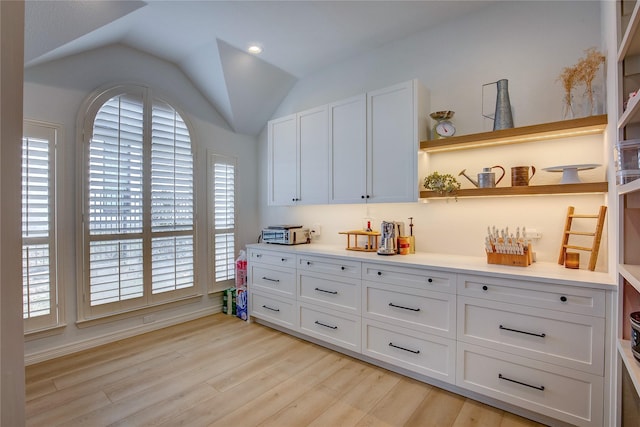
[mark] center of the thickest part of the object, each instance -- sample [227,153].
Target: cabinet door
[283,161]
[348,150]
[392,146]
[313,137]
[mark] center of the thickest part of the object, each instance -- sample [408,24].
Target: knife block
[511,259]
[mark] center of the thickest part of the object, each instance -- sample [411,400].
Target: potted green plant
[443,184]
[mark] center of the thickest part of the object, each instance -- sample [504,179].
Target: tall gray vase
[503,118]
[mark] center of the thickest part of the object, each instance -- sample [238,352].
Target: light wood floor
[220,371]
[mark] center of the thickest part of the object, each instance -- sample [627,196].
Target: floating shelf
[588,187]
[630,44]
[562,129]
[631,273]
[632,365]
[629,187]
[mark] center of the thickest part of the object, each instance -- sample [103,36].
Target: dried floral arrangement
[443,184]
[584,72]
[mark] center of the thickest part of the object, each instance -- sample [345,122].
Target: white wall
[526,42]
[54,92]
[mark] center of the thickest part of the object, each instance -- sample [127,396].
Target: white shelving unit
[628,195]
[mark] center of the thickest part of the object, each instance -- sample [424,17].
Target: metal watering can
[486,178]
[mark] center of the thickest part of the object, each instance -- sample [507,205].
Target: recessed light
[254,49]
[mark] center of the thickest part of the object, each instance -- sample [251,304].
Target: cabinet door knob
[485,287]
[430,280]
[308,262]
[379,273]
[563,298]
[368,196]
[342,268]
[283,259]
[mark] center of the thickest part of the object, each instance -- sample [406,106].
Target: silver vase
[503,118]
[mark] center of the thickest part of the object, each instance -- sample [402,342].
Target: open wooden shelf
[587,187]
[630,43]
[630,362]
[562,129]
[631,273]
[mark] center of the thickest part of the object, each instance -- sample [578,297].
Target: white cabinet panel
[410,276]
[426,354]
[565,339]
[272,279]
[348,149]
[282,165]
[339,293]
[272,257]
[571,396]
[275,309]
[425,311]
[313,134]
[338,267]
[332,326]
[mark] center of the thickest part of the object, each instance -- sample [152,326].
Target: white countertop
[539,271]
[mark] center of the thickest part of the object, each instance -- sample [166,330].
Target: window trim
[84,127]
[56,320]
[212,156]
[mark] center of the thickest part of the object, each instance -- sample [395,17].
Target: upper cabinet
[361,149]
[298,150]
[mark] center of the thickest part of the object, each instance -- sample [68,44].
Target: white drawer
[554,297]
[409,276]
[424,311]
[276,310]
[272,279]
[271,257]
[340,293]
[571,396]
[332,326]
[422,353]
[338,267]
[565,339]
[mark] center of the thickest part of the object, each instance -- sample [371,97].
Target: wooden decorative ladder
[597,235]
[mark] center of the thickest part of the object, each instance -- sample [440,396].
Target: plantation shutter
[223,173]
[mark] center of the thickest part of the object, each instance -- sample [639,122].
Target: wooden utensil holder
[511,259]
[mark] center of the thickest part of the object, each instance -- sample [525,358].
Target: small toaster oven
[286,235]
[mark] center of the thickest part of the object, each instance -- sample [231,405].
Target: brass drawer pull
[325,325]
[541,387]
[405,349]
[404,308]
[542,335]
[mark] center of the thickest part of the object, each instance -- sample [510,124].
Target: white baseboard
[52,353]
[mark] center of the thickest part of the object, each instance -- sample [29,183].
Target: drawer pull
[563,298]
[283,259]
[430,280]
[325,325]
[258,255]
[405,349]
[308,262]
[542,335]
[485,288]
[327,292]
[270,280]
[343,268]
[404,308]
[269,308]
[379,273]
[541,387]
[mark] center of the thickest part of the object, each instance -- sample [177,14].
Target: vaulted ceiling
[208,40]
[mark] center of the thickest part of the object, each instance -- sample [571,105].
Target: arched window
[138,204]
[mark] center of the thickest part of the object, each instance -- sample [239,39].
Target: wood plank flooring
[220,371]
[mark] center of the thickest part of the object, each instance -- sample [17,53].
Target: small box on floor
[229,301]
[241,303]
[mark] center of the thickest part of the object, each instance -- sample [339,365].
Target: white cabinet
[536,345]
[393,135]
[298,151]
[348,150]
[364,148]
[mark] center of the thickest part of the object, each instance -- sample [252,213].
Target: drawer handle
[485,288]
[343,268]
[405,349]
[270,279]
[502,377]
[258,255]
[283,259]
[379,273]
[308,262]
[325,325]
[404,308]
[430,280]
[327,292]
[563,298]
[542,335]
[269,308]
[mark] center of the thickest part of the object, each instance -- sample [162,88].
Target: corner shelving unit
[628,195]
[554,130]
